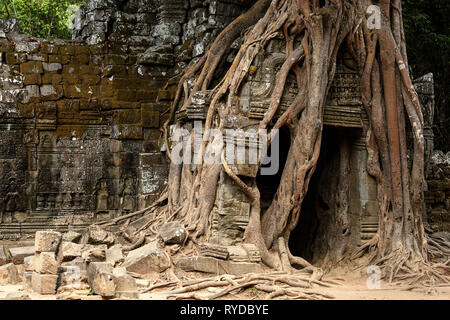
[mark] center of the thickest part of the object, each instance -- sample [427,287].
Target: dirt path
[352,289]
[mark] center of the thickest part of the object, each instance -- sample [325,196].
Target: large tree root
[314,32]
[298,285]
[403,268]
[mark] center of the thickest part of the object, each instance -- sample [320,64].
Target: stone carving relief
[128,199]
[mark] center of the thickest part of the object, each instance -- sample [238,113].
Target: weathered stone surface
[73,278]
[70,251]
[173,233]
[47,241]
[99,236]
[68,296]
[9,274]
[71,236]
[103,284]
[17,296]
[45,263]
[28,263]
[94,253]
[157,55]
[114,254]
[147,259]
[98,267]
[89,253]
[27,280]
[125,286]
[119,271]
[78,263]
[20,253]
[63,102]
[44,283]
[4,256]
[212,265]
[73,274]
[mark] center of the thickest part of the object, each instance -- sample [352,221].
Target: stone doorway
[268,184]
[317,219]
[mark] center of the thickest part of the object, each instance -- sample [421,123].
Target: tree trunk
[314,32]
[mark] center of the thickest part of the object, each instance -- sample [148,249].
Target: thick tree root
[406,268]
[280,285]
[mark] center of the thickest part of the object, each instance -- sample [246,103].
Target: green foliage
[427,28]
[254,292]
[42,18]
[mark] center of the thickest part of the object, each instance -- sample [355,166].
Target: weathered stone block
[147,259]
[51,92]
[31,67]
[32,78]
[9,274]
[125,287]
[18,254]
[67,49]
[15,58]
[27,277]
[73,274]
[45,263]
[151,119]
[126,132]
[95,268]
[129,116]
[173,233]
[70,251]
[4,255]
[94,253]
[80,59]
[53,58]
[28,263]
[52,67]
[51,78]
[217,266]
[47,241]
[99,236]
[72,279]
[44,283]
[51,48]
[46,110]
[78,263]
[17,296]
[103,285]
[114,254]
[71,236]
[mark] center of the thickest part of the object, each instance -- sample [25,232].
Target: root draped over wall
[314,32]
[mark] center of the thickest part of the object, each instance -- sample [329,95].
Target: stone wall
[178,29]
[79,133]
[437,194]
[80,119]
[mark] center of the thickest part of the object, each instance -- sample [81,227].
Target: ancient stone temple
[79,125]
[80,137]
[345,126]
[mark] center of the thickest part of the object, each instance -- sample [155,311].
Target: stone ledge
[217,266]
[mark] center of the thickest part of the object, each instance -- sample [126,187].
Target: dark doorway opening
[319,200]
[268,184]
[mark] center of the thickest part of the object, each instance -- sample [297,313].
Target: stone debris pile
[94,264]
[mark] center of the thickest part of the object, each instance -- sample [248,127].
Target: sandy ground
[351,289]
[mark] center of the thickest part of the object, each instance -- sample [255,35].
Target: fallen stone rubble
[94,264]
